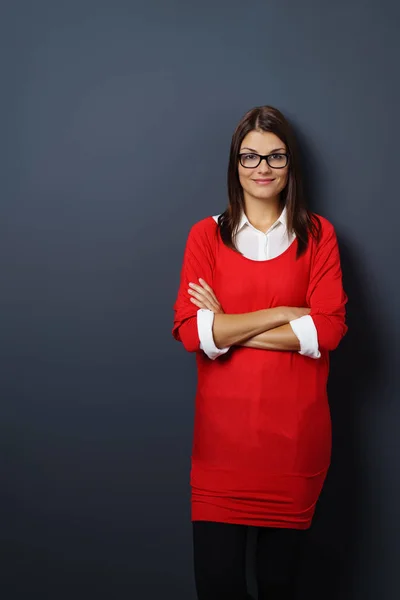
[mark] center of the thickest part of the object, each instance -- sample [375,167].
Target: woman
[261,303]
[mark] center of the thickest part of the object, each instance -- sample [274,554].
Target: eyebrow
[270,152]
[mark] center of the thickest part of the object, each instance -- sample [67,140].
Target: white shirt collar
[244,220]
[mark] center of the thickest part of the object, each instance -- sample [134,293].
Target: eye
[250,156]
[278,156]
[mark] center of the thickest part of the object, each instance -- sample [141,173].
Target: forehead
[262,141]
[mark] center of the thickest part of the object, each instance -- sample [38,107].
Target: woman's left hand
[203,296]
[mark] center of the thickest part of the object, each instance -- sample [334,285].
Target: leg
[278,554]
[219,560]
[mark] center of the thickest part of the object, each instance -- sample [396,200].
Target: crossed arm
[266,329]
[278,338]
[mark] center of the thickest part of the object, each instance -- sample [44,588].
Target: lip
[263,181]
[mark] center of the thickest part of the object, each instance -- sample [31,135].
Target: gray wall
[116,120]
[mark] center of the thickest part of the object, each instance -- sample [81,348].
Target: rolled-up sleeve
[205,321]
[306,332]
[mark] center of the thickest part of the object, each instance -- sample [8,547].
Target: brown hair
[299,219]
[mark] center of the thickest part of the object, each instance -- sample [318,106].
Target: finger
[213,299]
[198,303]
[201,304]
[209,289]
[208,303]
[197,289]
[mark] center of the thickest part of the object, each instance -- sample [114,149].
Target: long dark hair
[299,219]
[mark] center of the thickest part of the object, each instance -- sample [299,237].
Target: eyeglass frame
[262,157]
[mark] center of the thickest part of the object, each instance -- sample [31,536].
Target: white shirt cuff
[205,321]
[306,332]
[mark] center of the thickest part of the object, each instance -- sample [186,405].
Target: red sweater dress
[262,430]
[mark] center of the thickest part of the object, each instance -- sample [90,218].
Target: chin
[264,194]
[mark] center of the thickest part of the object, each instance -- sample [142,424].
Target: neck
[262,213]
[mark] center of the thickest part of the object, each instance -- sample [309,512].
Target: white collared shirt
[257,245]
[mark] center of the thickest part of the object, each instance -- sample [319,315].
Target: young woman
[261,303]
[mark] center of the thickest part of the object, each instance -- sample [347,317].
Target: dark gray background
[116,124]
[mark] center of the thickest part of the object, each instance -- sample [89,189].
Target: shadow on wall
[330,563]
[336,534]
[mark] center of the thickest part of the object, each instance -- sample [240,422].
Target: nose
[264,166]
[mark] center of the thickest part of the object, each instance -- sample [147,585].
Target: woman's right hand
[293,312]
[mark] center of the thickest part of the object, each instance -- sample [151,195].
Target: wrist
[282,315]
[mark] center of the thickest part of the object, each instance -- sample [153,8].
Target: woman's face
[262,182]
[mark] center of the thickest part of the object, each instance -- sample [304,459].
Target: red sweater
[262,435]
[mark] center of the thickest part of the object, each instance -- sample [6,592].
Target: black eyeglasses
[275,161]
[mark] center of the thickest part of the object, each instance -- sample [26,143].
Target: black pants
[220,561]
